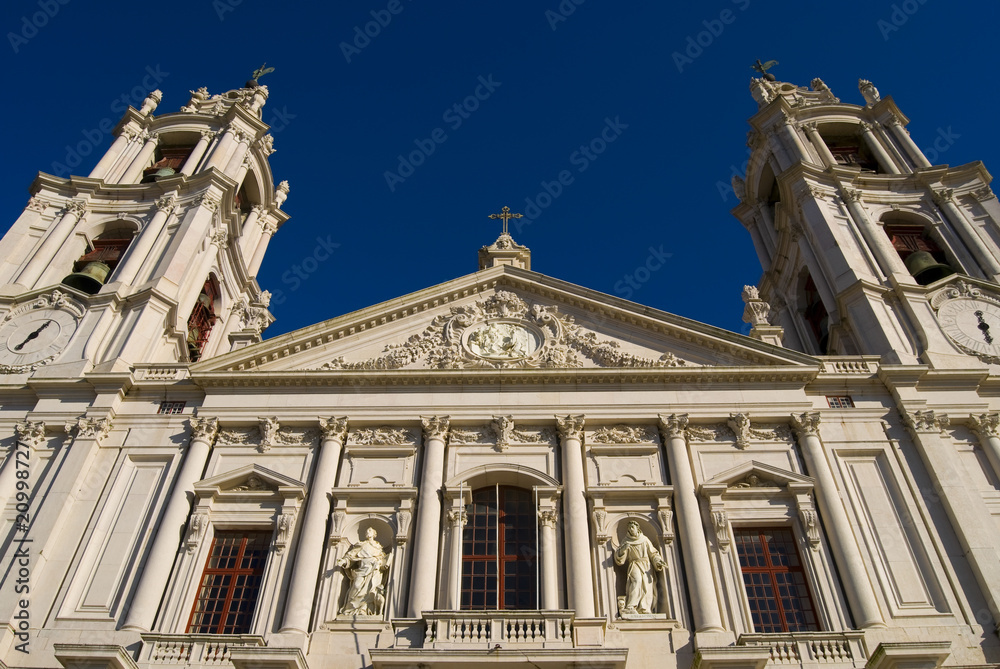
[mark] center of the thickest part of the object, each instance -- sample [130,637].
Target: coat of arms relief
[504,332]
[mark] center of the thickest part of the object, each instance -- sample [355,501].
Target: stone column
[793,135]
[886,256]
[844,544]
[42,258]
[166,542]
[305,572]
[424,570]
[875,145]
[972,521]
[30,433]
[945,199]
[143,242]
[113,154]
[141,161]
[197,153]
[457,519]
[236,163]
[550,571]
[694,546]
[576,519]
[987,428]
[223,147]
[817,141]
[269,227]
[904,139]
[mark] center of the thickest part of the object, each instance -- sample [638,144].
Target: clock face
[33,337]
[974,325]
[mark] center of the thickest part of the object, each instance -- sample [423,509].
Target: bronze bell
[90,278]
[925,269]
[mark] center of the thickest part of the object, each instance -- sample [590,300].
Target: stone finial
[869,92]
[281,194]
[757,310]
[150,103]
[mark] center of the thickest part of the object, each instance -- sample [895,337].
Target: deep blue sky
[341,125]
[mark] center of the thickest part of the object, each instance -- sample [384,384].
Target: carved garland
[562,342]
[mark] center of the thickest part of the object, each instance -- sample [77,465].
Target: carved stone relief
[502,332]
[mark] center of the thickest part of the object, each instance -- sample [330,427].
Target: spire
[504,251]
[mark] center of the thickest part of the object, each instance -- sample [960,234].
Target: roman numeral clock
[972,322]
[33,334]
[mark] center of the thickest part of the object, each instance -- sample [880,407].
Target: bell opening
[90,278]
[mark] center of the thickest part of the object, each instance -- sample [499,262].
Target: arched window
[202,320]
[92,269]
[499,538]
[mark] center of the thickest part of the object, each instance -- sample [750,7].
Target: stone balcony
[543,639]
[807,649]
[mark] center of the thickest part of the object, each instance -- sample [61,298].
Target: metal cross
[505,215]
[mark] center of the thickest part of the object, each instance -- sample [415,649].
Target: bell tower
[861,239]
[152,257]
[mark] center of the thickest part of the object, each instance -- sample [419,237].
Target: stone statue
[365,564]
[641,558]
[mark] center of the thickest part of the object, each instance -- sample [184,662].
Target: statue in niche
[365,564]
[640,558]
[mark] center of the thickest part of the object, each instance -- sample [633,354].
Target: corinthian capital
[805,424]
[204,429]
[435,427]
[570,427]
[985,425]
[89,428]
[31,433]
[674,425]
[926,421]
[333,428]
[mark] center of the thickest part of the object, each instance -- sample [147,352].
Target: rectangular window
[775,581]
[227,595]
[499,539]
[171,407]
[840,401]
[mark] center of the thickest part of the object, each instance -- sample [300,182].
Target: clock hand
[984,327]
[33,335]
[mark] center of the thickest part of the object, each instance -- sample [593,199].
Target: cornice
[793,375]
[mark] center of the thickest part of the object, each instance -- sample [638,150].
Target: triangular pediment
[505,318]
[753,475]
[246,480]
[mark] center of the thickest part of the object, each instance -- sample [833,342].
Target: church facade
[505,468]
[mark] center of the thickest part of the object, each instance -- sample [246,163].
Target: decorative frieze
[267,434]
[375,436]
[624,434]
